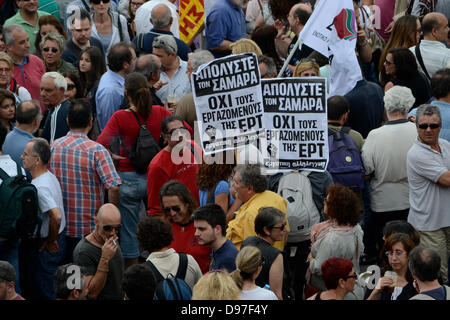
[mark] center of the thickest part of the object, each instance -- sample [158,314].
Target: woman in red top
[178,204]
[124,125]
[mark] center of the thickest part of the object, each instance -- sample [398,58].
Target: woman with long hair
[405,34]
[7,109]
[249,263]
[125,125]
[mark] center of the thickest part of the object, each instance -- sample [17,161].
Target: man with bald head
[28,118]
[433,48]
[162,21]
[100,255]
[150,66]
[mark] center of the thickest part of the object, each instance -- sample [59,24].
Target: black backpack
[19,206]
[144,149]
[172,288]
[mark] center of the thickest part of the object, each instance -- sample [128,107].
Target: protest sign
[228,102]
[295,116]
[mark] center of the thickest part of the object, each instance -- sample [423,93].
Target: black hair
[117,55]
[405,63]
[154,233]
[168,120]
[213,214]
[337,107]
[440,83]
[79,114]
[139,283]
[62,278]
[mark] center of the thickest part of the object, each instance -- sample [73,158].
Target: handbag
[376,41]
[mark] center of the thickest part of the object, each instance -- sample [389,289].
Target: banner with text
[228,102]
[192,18]
[295,117]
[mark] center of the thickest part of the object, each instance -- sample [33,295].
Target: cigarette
[115,243]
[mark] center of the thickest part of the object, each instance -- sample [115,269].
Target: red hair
[334,269]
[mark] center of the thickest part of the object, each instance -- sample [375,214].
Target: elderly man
[175,69]
[100,255]
[53,87]
[434,54]
[84,169]
[143,22]
[150,66]
[428,169]
[28,69]
[267,67]
[384,156]
[41,255]
[162,20]
[186,106]
[250,187]
[224,25]
[28,17]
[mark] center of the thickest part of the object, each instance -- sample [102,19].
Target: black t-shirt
[88,256]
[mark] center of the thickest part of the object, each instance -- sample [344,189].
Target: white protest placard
[295,116]
[228,102]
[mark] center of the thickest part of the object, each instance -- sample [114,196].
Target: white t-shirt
[258,294]
[9,166]
[50,197]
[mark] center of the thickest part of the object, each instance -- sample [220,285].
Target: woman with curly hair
[216,285]
[340,236]
[213,185]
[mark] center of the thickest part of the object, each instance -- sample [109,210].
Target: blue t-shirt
[224,22]
[438,294]
[224,258]
[222,187]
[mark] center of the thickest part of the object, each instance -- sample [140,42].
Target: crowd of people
[81,81]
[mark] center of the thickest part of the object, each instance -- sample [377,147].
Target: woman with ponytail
[125,126]
[249,263]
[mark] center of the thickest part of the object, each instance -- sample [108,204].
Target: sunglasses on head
[172,208]
[98,1]
[108,228]
[425,126]
[47,49]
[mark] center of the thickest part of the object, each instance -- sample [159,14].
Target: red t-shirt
[162,169]
[124,124]
[184,240]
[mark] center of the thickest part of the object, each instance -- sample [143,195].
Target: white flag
[332,31]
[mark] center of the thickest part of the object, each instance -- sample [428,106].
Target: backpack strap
[135,115]
[182,267]
[419,58]
[3,174]
[140,42]
[155,270]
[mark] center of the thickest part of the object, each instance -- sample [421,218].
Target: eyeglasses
[388,62]
[70,86]
[396,253]
[280,227]
[98,1]
[108,228]
[181,130]
[172,208]
[354,276]
[425,126]
[47,49]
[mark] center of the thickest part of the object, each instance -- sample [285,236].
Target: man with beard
[225,24]
[99,254]
[210,230]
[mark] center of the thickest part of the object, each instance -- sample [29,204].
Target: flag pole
[298,44]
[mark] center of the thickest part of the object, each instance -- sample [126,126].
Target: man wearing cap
[7,282]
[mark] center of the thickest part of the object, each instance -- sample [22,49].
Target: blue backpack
[345,163]
[172,288]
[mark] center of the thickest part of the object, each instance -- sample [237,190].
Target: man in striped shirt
[84,169]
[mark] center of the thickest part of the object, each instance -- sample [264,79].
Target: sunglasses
[108,228]
[47,49]
[173,208]
[425,126]
[280,227]
[354,276]
[98,1]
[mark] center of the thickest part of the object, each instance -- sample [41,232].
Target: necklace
[95,238]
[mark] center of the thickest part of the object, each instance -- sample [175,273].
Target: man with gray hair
[267,67]
[7,282]
[424,264]
[250,187]
[41,255]
[53,86]
[150,66]
[161,18]
[175,70]
[384,156]
[28,68]
[428,169]
[186,106]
